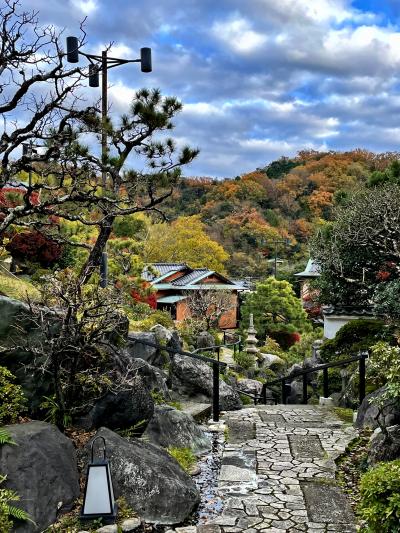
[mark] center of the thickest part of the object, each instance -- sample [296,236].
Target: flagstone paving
[278,472]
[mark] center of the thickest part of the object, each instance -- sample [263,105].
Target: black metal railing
[216,366]
[283,381]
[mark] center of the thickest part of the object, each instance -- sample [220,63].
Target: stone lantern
[251,341]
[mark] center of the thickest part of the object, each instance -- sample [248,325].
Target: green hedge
[380,498]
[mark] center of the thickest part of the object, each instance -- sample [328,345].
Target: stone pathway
[278,472]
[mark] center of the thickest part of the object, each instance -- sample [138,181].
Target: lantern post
[98,498]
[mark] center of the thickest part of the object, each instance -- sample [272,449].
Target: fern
[5,437]
[19,514]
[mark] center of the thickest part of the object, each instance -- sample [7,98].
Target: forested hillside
[287,199]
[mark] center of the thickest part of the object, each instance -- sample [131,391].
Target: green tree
[276,309]
[358,252]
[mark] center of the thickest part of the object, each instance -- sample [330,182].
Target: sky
[259,79]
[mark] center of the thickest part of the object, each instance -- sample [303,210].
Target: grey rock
[367,412]
[204,340]
[384,447]
[162,334]
[42,469]
[192,377]
[108,529]
[270,360]
[150,480]
[17,328]
[130,525]
[170,427]
[250,386]
[138,350]
[123,409]
[153,378]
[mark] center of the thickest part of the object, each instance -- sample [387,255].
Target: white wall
[332,323]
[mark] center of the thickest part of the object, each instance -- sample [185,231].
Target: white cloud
[238,34]
[87,7]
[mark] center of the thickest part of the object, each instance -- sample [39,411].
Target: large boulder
[368,412]
[162,334]
[170,427]
[150,480]
[192,377]
[42,469]
[132,406]
[153,378]
[138,350]
[384,447]
[18,333]
[250,386]
[204,340]
[152,355]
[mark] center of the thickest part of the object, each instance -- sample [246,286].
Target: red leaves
[34,247]
[149,299]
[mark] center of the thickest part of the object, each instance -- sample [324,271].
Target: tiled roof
[348,310]
[312,270]
[162,269]
[196,274]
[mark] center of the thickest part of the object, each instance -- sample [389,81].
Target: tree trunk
[94,258]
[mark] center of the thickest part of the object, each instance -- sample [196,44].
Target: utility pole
[102,64]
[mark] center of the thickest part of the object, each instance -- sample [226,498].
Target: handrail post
[215,392]
[283,391]
[264,394]
[326,383]
[305,394]
[218,352]
[362,376]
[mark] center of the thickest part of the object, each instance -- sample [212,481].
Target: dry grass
[18,289]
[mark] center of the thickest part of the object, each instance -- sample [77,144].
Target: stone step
[199,411]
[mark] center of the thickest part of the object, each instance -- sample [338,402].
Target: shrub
[184,456]
[34,247]
[303,348]
[355,336]
[380,498]
[271,346]
[157,317]
[285,339]
[244,360]
[246,400]
[12,400]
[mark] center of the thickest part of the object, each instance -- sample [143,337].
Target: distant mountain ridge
[286,199]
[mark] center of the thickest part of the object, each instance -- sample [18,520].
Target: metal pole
[326,383]
[264,394]
[362,377]
[30,166]
[104,80]
[305,394]
[283,391]
[215,392]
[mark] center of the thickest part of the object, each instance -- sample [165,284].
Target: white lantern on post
[98,499]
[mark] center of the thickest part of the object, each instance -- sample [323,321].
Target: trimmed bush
[355,336]
[380,498]
[244,360]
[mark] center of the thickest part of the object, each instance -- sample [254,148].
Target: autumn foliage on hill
[254,214]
